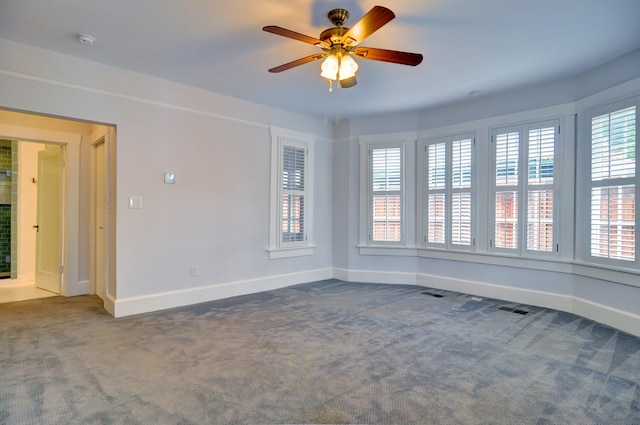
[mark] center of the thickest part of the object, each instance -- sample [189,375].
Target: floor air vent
[513,310]
[433,294]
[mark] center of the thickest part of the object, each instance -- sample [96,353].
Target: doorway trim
[71,181]
[103,135]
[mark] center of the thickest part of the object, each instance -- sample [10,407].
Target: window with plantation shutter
[461,153]
[524,189]
[507,148]
[448,192]
[387,201]
[436,197]
[540,193]
[386,194]
[291,200]
[613,185]
[293,193]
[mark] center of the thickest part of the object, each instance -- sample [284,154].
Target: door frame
[104,134]
[100,136]
[71,189]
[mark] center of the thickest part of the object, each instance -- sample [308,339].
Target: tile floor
[10,293]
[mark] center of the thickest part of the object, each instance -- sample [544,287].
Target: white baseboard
[341,274]
[171,299]
[615,318]
[623,320]
[399,278]
[27,278]
[109,304]
[500,292]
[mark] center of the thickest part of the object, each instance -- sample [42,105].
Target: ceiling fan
[340,44]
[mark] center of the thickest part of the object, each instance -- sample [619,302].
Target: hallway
[21,292]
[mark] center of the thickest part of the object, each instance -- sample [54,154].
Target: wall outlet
[193,271]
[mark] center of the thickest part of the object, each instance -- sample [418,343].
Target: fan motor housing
[333,35]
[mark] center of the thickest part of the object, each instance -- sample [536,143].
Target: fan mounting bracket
[338,16]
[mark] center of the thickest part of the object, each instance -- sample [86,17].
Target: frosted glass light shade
[348,67]
[330,68]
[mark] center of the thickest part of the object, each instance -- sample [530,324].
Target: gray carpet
[324,352]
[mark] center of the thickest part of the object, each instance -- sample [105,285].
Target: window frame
[280,139]
[448,190]
[523,188]
[590,184]
[406,143]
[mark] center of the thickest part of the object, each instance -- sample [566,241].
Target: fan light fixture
[339,44]
[339,67]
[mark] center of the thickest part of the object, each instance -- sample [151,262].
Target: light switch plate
[135,202]
[169,178]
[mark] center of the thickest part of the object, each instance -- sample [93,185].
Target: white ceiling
[468,45]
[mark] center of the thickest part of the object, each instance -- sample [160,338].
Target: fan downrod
[338,17]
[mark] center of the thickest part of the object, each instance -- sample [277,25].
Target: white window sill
[618,275]
[299,251]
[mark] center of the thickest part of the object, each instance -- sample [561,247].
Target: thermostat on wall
[169,178]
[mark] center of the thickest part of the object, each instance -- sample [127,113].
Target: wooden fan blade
[393,56]
[295,35]
[297,62]
[367,25]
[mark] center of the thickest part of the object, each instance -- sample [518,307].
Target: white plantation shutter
[507,158]
[540,182]
[436,197]
[541,155]
[293,193]
[613,145]
[507,163]
[524,213]
[506,218]
[461,191]
[461,218]
[540,220]
[436,218]
[448,187]
[387,169]
[386,200]
[437,166]
[613,231]
[613,188]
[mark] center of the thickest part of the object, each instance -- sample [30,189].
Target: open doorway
[31,217]
[54,249]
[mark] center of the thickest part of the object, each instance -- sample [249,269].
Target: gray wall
[217,214]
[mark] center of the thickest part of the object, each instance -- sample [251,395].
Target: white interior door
[100,230]
[48,227]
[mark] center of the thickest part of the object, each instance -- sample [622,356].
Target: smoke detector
[86,39]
